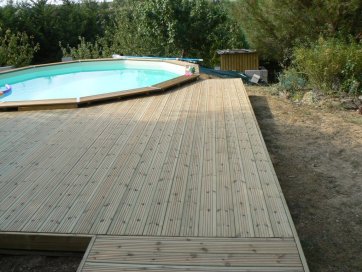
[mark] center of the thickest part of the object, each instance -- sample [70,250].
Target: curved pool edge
[88,100]
[68,103]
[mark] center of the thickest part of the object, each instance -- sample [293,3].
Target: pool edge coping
[67,103]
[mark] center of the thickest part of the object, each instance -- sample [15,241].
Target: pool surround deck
[180,181]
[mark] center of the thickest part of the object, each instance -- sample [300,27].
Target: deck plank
[82,211]
[46,181]
[173,215]
[45,141]
[256,201]
[201,254]
[20,158]
[115,182]
[243,214]
[155,220]
[126,219]
[207,222]
[273,197]
[190,218]
[225,225]
[136,223]
[179,168]
[131,158]
[48,220]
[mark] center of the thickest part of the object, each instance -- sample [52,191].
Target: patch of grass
[297,95]
[355,119]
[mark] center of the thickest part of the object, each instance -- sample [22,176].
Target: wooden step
[117,253]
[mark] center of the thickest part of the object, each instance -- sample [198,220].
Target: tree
[49,23]
[174,28]
[275,26]
[16,49]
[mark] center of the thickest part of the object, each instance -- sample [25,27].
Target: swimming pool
[78,82]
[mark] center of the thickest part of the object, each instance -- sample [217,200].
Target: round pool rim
[95,99]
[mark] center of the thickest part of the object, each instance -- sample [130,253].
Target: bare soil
[317,155]
[39,263]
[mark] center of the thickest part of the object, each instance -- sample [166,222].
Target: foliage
[174,28]
[49,23]
[274,27]
[86,50]
[332,65]
[292,81]
[135,27]
[16,49]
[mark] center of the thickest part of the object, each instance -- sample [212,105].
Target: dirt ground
[35,263]
[317,155]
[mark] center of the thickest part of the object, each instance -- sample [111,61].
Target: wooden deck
[121,253]
[152,178]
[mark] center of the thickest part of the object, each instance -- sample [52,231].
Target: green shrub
[292,81]
[333,66]
[16,49]
[87,50]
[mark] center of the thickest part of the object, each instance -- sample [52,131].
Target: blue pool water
[74,80]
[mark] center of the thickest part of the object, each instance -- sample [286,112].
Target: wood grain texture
[184,163]
[192,254]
